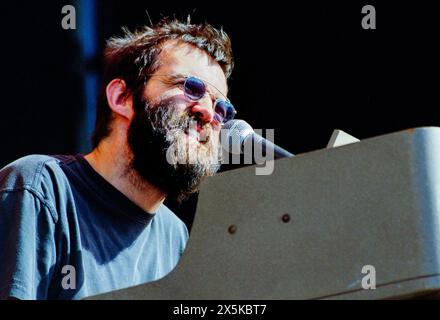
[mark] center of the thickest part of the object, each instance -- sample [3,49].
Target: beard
[163,152]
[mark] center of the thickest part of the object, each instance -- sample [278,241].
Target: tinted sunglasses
[195,89]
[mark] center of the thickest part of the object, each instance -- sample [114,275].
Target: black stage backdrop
[302,69]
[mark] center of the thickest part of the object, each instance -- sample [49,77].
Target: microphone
[239,133]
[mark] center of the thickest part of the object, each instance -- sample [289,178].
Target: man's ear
[118,100]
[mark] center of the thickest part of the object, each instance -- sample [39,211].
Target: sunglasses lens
[194,88]
[224,111]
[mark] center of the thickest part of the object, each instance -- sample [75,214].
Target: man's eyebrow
[168,76]
[177,76]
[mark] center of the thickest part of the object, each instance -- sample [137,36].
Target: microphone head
[234,133]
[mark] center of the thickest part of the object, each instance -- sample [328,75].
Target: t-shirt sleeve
[27,245]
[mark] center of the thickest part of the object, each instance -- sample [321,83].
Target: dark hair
[135,55]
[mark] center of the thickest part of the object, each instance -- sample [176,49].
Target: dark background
[301,69]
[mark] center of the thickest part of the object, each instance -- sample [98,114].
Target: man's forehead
[184,59]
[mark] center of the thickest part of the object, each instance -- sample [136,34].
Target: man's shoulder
[168,215]
[172,222]
[30,172]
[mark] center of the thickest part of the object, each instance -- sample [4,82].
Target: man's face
[174,140]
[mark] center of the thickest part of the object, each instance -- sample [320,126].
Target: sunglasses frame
[204,82]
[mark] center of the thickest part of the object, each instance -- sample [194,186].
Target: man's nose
[203,109]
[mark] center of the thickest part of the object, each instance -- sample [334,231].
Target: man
[76,226]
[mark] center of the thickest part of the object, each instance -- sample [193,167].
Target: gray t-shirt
[66,233]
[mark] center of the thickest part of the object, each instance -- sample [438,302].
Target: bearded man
[76,226]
